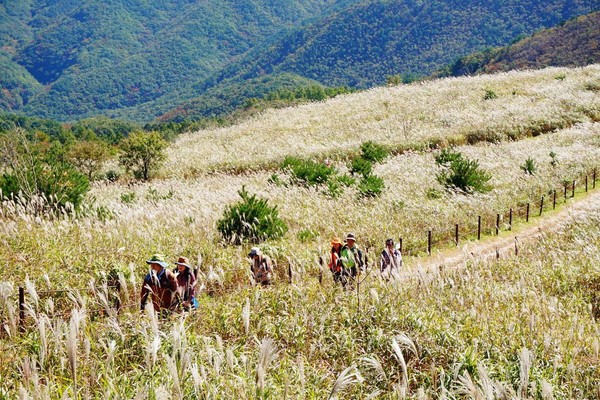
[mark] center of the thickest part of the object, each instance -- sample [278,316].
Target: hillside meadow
[517,328]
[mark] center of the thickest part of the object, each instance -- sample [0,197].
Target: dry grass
[521,327]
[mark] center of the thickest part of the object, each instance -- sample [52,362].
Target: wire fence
[492,224]
[109,298]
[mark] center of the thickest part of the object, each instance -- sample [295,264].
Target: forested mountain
[138,59]
[575,43]
[373,40]
[65,59]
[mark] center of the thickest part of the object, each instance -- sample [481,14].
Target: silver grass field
[520,327]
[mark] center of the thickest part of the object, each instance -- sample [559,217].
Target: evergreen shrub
[251,219]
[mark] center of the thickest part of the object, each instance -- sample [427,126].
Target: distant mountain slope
[95,56]
[366,43]
[573,44]
[369,41]
[139,59]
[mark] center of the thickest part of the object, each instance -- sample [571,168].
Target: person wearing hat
[335,265]
[351,258]
[161,284]
[390,261]
[262,270]
[186,284]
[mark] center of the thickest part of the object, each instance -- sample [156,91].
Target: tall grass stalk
[267,354]
[347,377]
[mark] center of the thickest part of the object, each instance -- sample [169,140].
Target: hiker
[390,261]
[261,268]
[351,258]
[335,265]
[186,284]
[161,284]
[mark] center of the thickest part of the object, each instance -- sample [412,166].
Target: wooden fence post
[586,182]
[542,205]
[510,212]
[21,309]
[321,263]
[429,235]
[456,234]
[479,227]
[573,190]
[290,274]
[497,224]
[527,214]
[400,243]
[554,200]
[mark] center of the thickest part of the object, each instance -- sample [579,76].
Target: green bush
[251,219]
[60,183]
[489,94]
[465,175]
[361,166]
[373,152]
[370,186]
[307,172]
[529,166]
[447,156]
[345,180]
[128,197]
[334,189]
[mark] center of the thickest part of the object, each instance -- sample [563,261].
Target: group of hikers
[176,289]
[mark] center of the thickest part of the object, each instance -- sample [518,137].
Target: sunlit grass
[519,327]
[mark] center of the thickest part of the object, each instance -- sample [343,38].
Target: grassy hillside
[572,44]
[415,116]
[520,327]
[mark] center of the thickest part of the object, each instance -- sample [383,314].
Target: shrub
[128,197]
[112,175]
[361,166]
[465,175]
[447,156]
[251,219]
[529,166]
[334,189]
[30,171]
[373,152]
[345,180]
[489,94]
[370,186]
[307,172]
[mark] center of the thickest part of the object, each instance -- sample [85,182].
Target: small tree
[88,156]
[251,219]
[29,169]
[142,153]
[529,167]
[462,174]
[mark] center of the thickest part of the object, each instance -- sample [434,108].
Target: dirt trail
[504,245]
